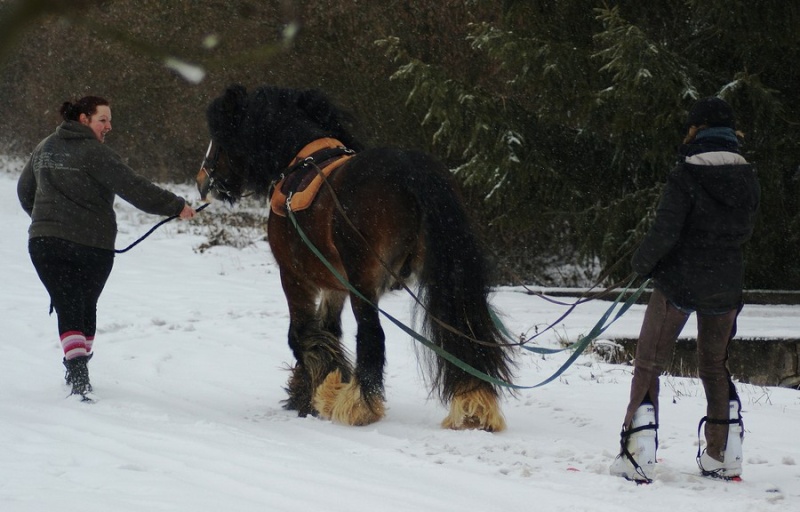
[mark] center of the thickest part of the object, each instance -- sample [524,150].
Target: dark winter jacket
[69,184]
[706,213]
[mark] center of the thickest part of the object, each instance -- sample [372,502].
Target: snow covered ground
[189,371]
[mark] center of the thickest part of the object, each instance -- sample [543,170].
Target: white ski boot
[637,458]
[731,464]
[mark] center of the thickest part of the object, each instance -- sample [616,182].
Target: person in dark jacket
[693,253]
[68,187]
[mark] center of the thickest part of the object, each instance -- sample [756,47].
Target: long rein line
[586,296]
[150,232]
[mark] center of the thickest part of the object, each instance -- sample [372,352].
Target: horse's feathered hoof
[299,392]
[344,403]
[475,410]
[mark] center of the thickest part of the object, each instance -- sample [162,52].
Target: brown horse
[383,219]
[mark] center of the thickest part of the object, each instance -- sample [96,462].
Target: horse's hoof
[343,402]
[475,410]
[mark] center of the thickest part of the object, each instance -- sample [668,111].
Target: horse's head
[216,176]
[223,172]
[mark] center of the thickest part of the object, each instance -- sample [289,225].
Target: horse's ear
[225,114]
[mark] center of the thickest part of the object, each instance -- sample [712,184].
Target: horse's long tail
[454,286]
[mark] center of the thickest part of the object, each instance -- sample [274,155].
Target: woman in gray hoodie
[68,188]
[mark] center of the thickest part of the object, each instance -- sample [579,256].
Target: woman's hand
[188,212]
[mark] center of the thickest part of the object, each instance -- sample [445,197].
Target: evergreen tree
[570,130]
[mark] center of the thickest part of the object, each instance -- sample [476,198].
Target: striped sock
[74,344]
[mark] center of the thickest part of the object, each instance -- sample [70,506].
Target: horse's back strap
[305,176]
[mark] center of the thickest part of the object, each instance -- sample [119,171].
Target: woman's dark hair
[86,105]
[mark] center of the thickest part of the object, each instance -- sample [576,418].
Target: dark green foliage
[570,132]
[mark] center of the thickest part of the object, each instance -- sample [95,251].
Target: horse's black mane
[265,128]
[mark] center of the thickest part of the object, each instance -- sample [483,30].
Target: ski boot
[730,467]
[637,458]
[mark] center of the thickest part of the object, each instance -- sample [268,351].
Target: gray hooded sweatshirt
[69,184]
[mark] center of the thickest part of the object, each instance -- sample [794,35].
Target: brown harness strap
[306,174]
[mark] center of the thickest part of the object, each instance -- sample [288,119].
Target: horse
[384,219]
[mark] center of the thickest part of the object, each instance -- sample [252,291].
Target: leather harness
[307,172]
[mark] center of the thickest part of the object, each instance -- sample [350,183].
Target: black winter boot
[78,375]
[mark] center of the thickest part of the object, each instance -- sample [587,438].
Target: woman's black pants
[74,276]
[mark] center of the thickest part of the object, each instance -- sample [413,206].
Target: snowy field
[189,371]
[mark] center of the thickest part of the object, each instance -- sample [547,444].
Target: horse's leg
[360,401]
[330,311]
[476,407]
[317,352]
[474,403]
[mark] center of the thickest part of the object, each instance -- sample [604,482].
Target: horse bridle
[209,167]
